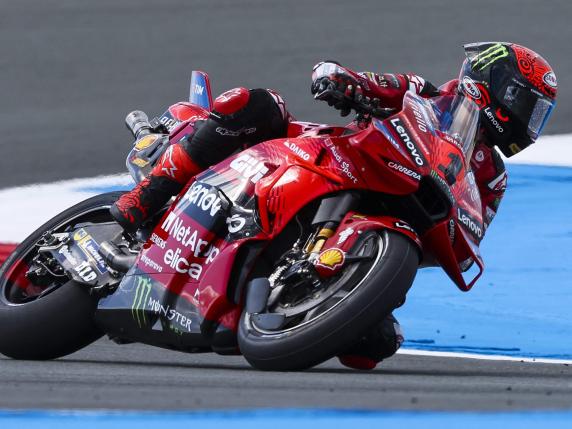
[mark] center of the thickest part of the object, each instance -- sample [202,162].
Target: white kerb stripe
[482,357]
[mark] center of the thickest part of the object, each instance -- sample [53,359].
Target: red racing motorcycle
[286,252]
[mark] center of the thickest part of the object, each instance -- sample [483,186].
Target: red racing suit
[242,118]
[486,162]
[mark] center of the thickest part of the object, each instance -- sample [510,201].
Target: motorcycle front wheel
[363,294]
[53,317]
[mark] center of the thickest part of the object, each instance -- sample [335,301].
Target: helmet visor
[529,107]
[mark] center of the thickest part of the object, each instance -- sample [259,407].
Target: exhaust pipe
[138,123]
[115,258]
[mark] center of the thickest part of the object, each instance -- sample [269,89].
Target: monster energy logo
[489,56]
[142,292]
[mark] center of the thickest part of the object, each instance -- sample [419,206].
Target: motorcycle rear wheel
[374,295]
[39,322]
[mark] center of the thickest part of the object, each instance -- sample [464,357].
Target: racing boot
[379,343]
[167,179]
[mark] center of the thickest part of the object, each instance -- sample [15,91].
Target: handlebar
[363,105]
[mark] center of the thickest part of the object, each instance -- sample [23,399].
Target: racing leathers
[388,91]
[241,118]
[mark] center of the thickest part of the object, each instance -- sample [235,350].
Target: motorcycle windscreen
[454,117]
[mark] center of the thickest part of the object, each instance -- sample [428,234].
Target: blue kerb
[284,419]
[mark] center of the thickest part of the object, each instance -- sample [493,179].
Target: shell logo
[331,258]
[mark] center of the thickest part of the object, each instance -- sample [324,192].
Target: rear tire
[59,322]
[382,289]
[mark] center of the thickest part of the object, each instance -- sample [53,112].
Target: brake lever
[360,107]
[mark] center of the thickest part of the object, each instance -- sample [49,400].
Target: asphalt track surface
[110,376]
[71,69]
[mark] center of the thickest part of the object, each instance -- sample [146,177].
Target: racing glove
[341,89]
[380,93]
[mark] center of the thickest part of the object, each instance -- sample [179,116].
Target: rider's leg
[240,118]
[168,178]
[378,344]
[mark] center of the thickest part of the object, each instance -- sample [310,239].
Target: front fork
[328,217]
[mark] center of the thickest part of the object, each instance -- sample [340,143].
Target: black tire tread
[324,339]
[59,323]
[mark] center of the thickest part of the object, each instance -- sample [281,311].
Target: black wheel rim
[16,288]
[331,303]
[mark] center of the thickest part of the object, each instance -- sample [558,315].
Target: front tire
[376,294]
[39,322]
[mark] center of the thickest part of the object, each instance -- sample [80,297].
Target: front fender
[351,228]
[355,224]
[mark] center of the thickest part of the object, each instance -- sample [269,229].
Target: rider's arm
[389,89]
[491,178]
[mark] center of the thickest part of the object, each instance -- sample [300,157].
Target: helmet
[515,89]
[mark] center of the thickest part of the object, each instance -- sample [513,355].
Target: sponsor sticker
[408,141]
[549,79]
[471,88]
[148,262]
[294,148]
[190,240]
[189,237]
[198,89]
[420,115]
[344,235]
[381,127]
[249,167]
[158,241]
[90,248]
[85,271]
[226,132]
[142,293]
[404,170]
[470,223]
[140,162]
[331,258]
[452,231]
[145,142]
[344,165]
[144,301]
[493,120]
[204,198]
[168,122]
[235,223]
[489,56]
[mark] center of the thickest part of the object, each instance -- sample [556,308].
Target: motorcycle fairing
[351,227]
[249,198]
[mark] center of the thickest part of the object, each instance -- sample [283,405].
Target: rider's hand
[341,91]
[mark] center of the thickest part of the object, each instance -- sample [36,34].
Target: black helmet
[515,89]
